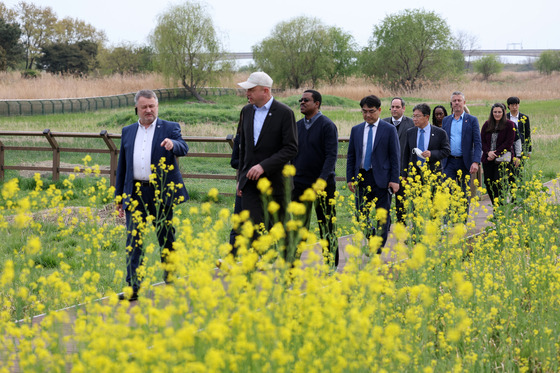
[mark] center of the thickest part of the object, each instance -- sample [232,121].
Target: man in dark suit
[373,164]
[268,141]
[463,131]
[402,123]
[316,159]
[431,140]
[149,183]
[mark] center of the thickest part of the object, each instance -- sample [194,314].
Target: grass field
[446,308]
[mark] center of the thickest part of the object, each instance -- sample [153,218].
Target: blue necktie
[421,144]
[369,148]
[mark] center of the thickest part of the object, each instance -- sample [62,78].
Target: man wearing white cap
[268,141]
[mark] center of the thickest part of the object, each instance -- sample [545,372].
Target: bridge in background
[471,53]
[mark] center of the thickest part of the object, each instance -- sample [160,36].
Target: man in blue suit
[463,131]
[373,165]
[149,183]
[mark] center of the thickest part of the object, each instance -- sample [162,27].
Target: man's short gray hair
[146,93]
[457,93]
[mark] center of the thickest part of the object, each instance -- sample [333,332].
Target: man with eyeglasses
[402,123]
[431,141]
[373,167]
[316,159]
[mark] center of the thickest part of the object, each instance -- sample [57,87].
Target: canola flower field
[446,304]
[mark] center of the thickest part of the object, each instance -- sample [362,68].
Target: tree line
[405,49]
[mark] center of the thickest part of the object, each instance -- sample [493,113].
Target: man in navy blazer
[149,182]
[463,131]
[436,143]
[373,164]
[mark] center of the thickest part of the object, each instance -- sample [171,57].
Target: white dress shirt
[142,159]
[373,132]
[258,120]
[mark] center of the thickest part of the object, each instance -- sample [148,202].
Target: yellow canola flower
[289,170]
[273,207]
[7,274]
[213,193]
[33,245]
[10,189]
[264,185]
[296,208]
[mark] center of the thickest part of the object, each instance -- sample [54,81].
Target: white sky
[243,23]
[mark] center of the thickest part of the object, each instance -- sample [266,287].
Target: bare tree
[468,44]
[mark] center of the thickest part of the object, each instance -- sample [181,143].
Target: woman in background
[438,114]
[498,134]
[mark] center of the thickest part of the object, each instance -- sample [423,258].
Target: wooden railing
[110,148]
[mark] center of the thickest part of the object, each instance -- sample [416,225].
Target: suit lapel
[360,142]
[158,138]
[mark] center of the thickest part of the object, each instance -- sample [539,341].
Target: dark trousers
[325,211]
[399,204]
[135,221]
[237,208]
[367,193]
[496,180]
[252,200]
[451,171]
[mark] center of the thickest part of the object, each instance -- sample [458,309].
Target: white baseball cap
[255,79]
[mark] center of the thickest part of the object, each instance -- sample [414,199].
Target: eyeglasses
[304,100]
[416,116]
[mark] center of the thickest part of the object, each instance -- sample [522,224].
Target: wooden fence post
[56,154]
[1,161]
[114,156]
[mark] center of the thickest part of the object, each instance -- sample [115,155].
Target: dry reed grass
[13,86]
[527,85]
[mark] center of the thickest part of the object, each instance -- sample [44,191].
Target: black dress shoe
[132,298]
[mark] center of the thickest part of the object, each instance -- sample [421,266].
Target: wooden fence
[110,148]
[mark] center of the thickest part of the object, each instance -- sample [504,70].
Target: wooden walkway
[479,215]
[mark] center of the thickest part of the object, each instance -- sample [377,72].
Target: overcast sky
[243,23]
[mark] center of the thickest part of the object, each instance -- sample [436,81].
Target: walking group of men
[379,153]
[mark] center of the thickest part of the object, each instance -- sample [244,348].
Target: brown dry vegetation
[526,85]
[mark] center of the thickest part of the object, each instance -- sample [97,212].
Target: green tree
[409,47]
[304,50]
[126,59]
[11,50]
[187,47]
[548,62]
[488,66]
[72,30]
[67,58]
[37,26]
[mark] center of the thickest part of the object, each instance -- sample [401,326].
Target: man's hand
[255,172]
[167,144]
[516,161]
[426,154]
[238,191]
[474,168]
[351,187]
[120,210]
[394,187]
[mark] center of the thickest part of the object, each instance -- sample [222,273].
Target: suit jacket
[504,143]
[276,146]
[125,172]
[386,154]
[438,145]
[470,139]
[405,124]
[523,133]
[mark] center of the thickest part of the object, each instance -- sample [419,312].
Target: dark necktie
[369,148]
[396,122]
